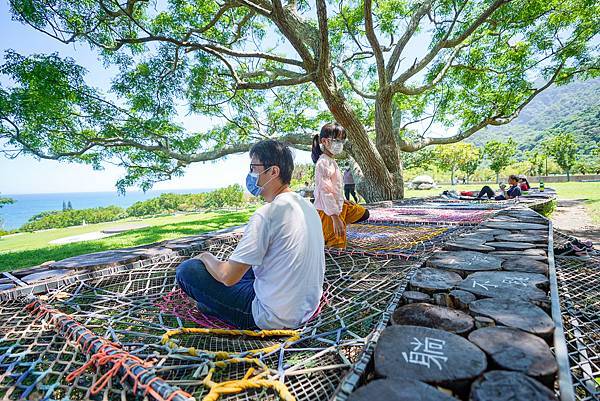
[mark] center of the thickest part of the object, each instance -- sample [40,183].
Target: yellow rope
[225,358]
[293,335]
[423,234]
[246,383]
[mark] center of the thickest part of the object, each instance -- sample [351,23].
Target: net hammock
[429,215]
[66,345]
[396,240]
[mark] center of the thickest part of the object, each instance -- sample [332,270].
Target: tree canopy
[268,69]
[6,201]
[458,156]
[500,154]
[563,148]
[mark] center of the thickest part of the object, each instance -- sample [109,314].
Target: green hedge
[231,196]
[73,217]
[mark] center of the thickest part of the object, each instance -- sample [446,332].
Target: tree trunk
[568,176]
[452,176]
[497,177]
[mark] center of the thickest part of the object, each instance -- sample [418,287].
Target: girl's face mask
[336,146]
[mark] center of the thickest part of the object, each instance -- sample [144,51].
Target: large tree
[500,155]
[458,156]
[563,148]
[263,68]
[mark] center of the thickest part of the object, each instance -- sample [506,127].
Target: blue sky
[26,175]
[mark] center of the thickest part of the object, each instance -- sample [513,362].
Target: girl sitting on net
[335,212]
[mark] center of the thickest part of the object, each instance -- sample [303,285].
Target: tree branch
[446,43]
[324,55]
[493,120]
[402,88]
[276,82]
[353,85]
[406,36]
[372,37]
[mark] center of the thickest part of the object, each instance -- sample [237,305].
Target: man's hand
[228,272]
[203,256]
[338,225]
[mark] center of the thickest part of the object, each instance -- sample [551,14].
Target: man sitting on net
[274,277]
[504,194]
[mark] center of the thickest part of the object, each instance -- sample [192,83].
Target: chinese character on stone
[424,353]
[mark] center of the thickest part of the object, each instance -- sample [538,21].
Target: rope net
[90,326]
[429,215]
[387,239]
[579,294]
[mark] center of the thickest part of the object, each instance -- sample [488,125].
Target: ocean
[26,206]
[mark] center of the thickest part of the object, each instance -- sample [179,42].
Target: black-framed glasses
[252,165]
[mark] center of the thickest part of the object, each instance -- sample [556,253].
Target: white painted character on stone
[424,353]
[516,281]
[484,285]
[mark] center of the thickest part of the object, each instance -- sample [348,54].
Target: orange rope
[107,354]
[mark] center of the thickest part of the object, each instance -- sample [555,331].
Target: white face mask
[336,148]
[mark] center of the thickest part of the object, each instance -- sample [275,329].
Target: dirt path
[572,218]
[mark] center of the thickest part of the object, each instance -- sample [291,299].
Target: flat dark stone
[522,213]
[516,350]
[506,284]
[430,280]
[504,218]
[461,299]
[434,316]
[537,254]
[476,235]
[514,313]
[469,239]
[399,390]
[30,270]
[429,355]
[510,246]
[521,238]
[537,233]
[185,242]
[415,296]
[500,385]
[525,264]
[491,231]
[4,287]
[464,262]
[45,275]
[471,244]
[514,225]
[114,258]
[99,260]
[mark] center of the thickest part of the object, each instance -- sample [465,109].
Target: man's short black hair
[275,153]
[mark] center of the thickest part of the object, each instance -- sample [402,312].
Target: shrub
[73,217]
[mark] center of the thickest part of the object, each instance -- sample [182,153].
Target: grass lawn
[30,249]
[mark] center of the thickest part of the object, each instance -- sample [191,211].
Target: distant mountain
[571,108]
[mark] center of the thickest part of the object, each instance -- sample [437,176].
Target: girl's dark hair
[329,130]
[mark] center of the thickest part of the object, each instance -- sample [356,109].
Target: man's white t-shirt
[283,242]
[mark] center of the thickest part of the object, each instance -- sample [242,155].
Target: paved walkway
[99,234]
[572,217]
[78,238]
